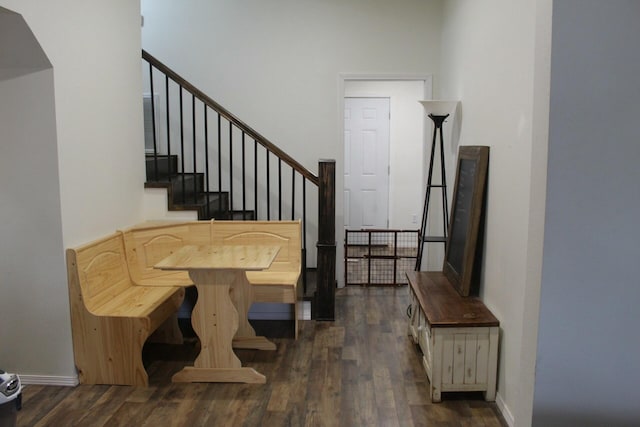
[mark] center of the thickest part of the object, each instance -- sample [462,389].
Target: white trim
[504,410]
[342,78]
[49,380]
[304,310]
[427,78]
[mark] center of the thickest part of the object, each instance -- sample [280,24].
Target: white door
[366,168]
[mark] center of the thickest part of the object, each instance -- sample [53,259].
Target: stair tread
[164,156]
[202,199]
[174,177]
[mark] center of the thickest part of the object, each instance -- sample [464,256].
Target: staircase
[211,162]
[186,191]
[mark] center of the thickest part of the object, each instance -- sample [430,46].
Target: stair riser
[218,208]
[193,185]
[166,166]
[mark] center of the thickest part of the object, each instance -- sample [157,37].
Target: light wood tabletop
[236,257]
[219,320]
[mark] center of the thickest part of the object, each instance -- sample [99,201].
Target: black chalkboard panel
[462,211]
[467,206]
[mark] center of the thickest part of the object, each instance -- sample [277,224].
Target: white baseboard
[304,310]
[48,380]
[504,410]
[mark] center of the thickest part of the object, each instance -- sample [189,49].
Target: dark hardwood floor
[361,370]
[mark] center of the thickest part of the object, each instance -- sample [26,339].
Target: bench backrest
[146,246]
[286,234]
[99,269]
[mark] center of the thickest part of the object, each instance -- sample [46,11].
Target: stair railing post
[324,301]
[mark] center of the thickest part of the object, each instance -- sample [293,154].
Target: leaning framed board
[466,212]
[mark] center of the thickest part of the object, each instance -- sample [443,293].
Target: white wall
[95,51]
[493,61]
[33,294]
[94,48]
[276,64]
[155,204]
[587,371]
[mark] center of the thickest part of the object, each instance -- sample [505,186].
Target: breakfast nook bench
[118,299]
[111,316]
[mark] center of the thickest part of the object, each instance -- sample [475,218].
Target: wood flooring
[361,370]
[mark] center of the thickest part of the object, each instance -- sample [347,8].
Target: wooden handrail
[271,147]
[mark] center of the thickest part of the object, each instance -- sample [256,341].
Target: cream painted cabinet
[458,337]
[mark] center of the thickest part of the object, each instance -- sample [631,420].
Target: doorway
[406,148]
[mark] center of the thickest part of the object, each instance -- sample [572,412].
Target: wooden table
[218,271]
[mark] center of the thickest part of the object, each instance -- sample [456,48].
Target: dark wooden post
[324,300]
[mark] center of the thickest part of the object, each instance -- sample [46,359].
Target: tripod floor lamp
[438,112]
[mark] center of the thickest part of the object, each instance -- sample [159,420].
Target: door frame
[427,80]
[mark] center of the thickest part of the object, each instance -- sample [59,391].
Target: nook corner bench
[118,299]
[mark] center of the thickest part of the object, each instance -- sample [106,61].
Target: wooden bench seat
[111,317]
[136,301]
[273,277]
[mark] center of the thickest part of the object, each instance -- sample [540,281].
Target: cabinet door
[465,356]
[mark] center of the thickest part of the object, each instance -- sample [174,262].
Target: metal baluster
[279,189]
[231,170]
[184,190]
[268,190]
[293,193]
[193,129]
[304,212]
[206,162]
[220,160]
[255,178]
[170,162]
[153,125]
[244,181]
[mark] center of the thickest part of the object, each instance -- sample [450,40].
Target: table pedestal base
[242,297]
[219,317]
[216,322]
[191,374]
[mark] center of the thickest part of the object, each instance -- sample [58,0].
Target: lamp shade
[439,108]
